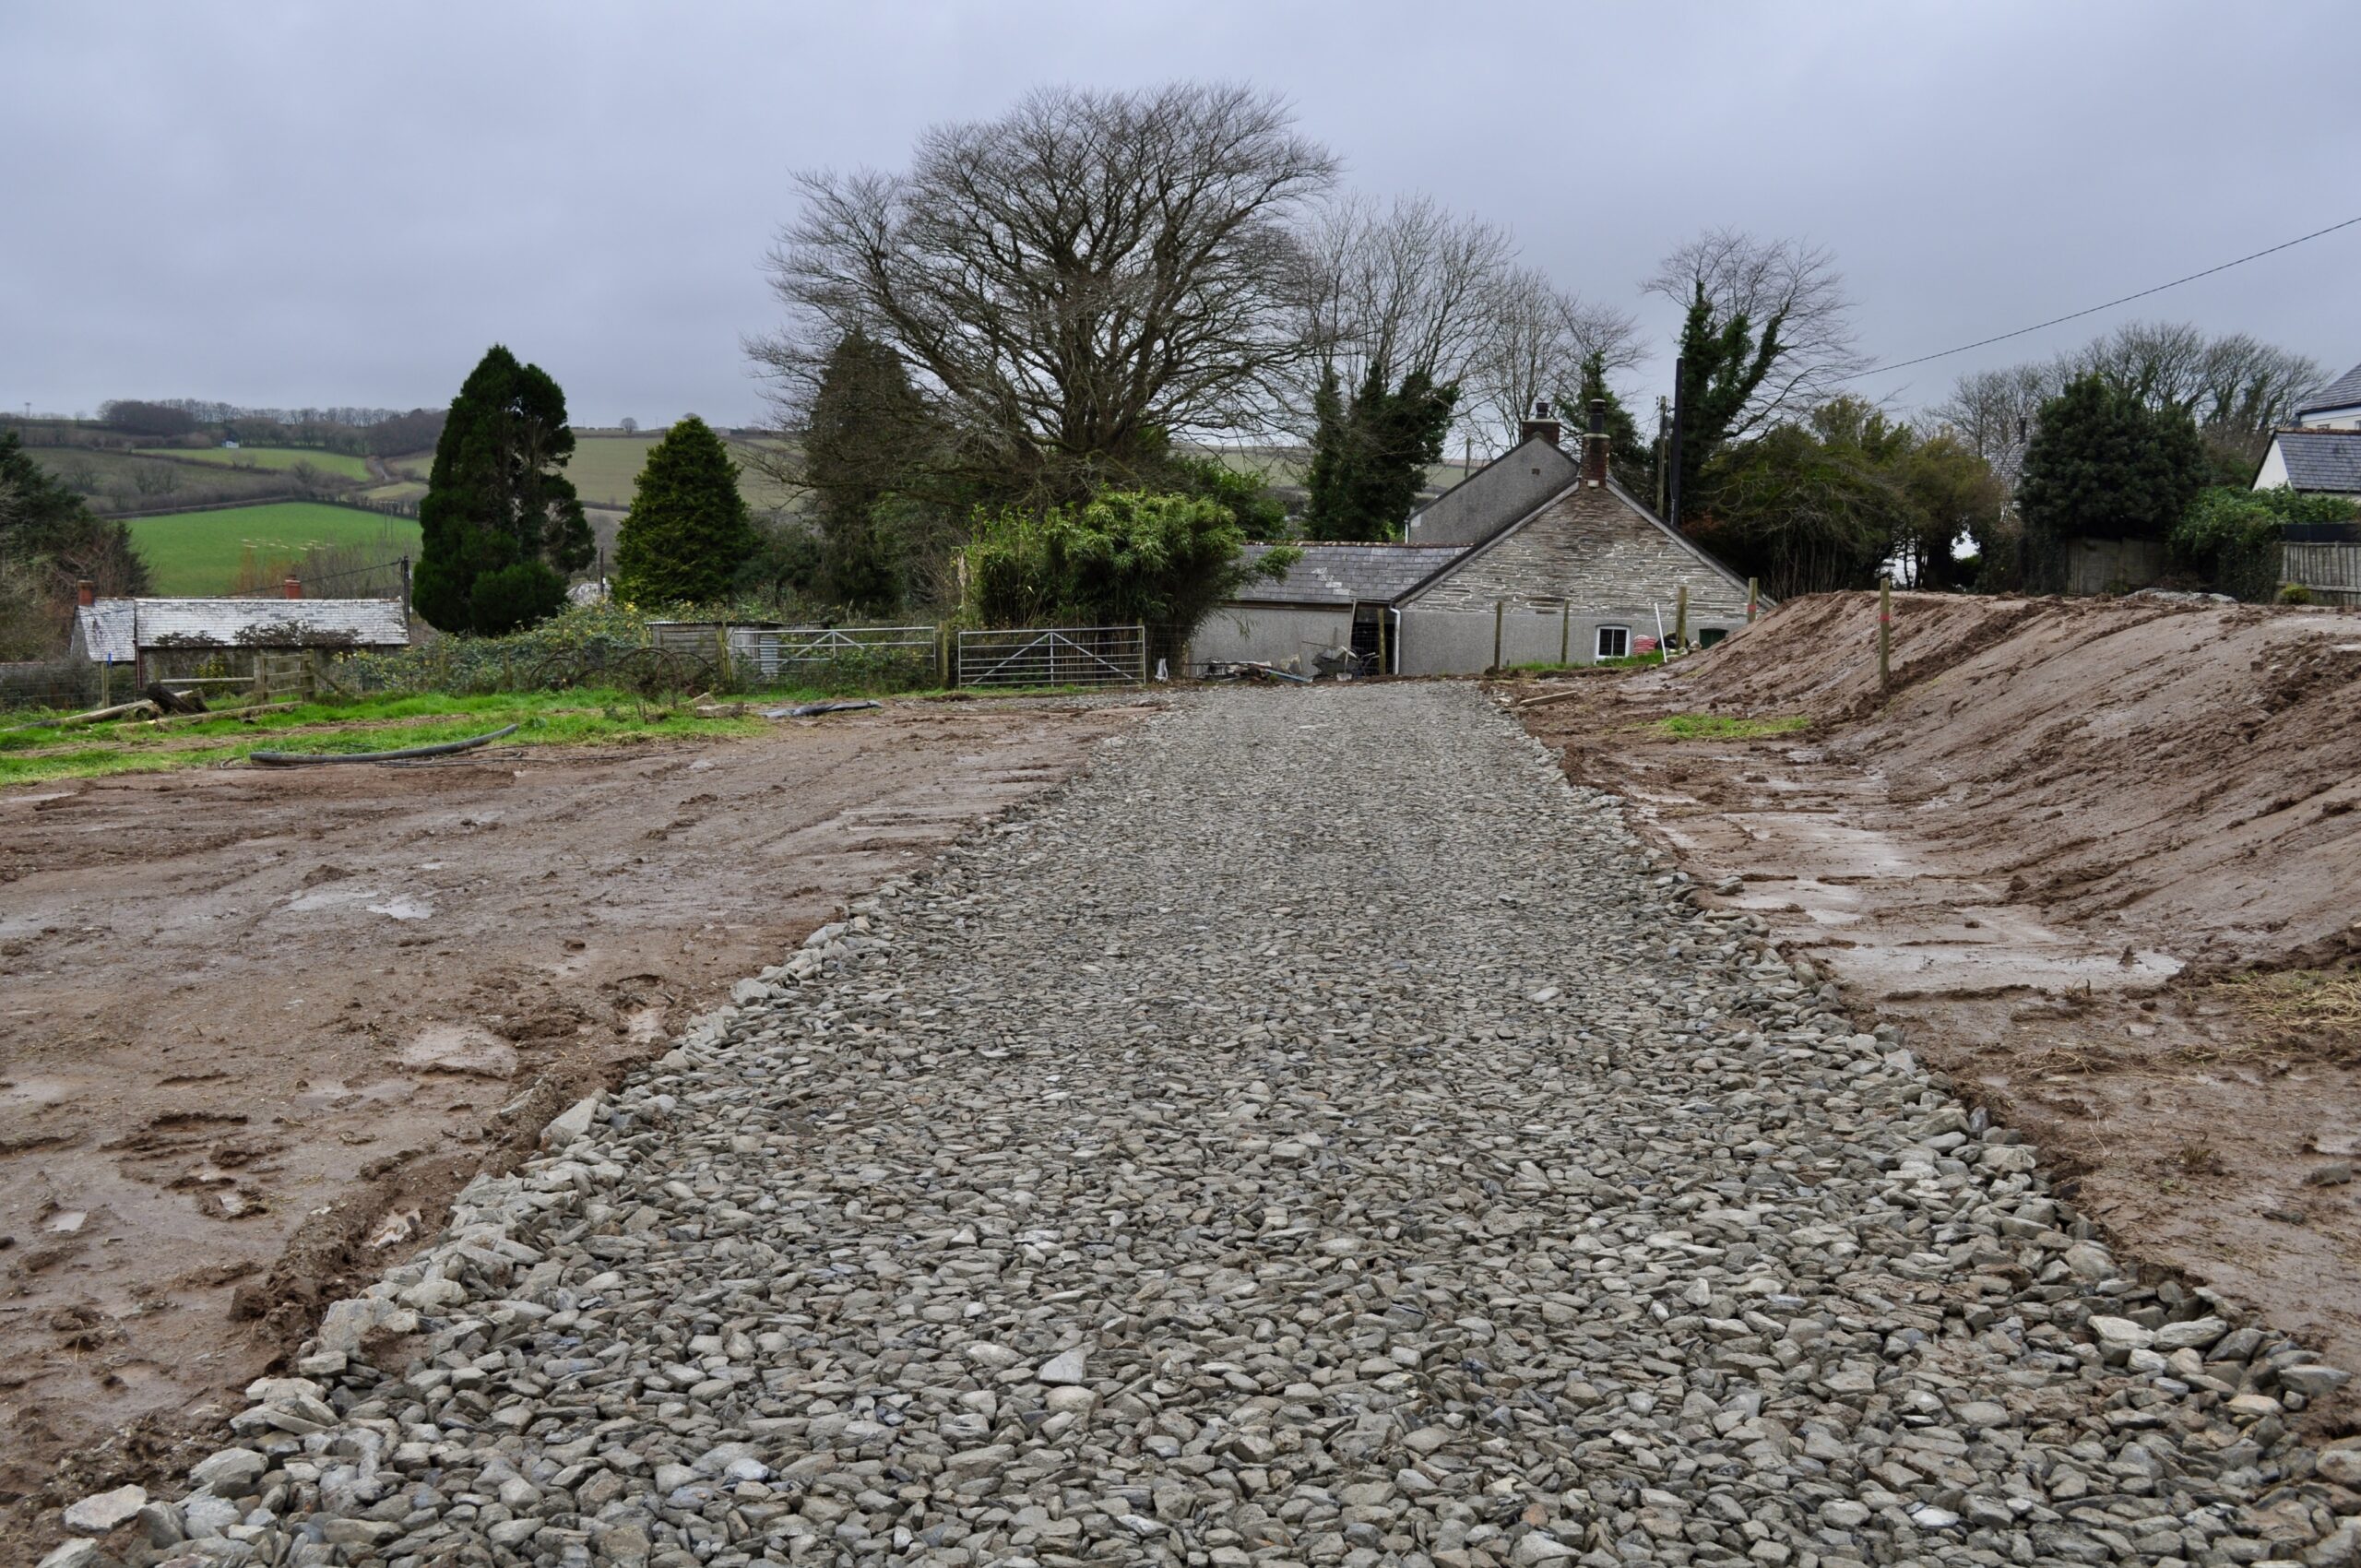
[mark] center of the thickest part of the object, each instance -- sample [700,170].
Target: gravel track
[1321,1136]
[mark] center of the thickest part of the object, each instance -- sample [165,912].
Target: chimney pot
[1595,445]
[1541,424]
[85,592]
[294,587]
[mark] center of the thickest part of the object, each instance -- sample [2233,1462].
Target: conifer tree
[862,443]
[687,532]
[500,523]
[1369,459]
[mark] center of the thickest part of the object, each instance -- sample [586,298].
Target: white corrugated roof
[241,623]
[105,629]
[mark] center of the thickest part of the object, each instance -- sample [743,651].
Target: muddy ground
[256,1027]
[2101,859]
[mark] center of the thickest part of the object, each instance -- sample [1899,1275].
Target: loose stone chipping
[1320,1137]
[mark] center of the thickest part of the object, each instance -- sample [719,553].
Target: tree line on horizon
[1088,296]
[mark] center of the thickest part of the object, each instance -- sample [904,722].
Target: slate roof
[2323,459]
[2345,392]
[1342,574]
[104,631]
[123,625]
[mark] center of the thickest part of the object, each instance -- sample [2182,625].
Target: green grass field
[544,719]
[605,467]
[280,458]
[199,552]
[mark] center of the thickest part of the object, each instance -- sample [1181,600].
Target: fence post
[1500,615]
[1383,668]
[721,657]
[1141,627]
[1885,629]
[943,656]
[1565,633]
[1681,616]
[1753,595]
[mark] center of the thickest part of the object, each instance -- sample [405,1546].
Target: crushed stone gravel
[1320,1137]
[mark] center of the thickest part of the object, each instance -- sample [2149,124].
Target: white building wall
[1459,642]
[2273,473]
[1285,635]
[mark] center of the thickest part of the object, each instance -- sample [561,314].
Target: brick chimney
[1595,444]
[293,588]
[84,593]
[1540,424]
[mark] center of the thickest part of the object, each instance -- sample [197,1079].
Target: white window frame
[1598,642]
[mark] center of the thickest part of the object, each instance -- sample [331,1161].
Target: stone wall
[1590,549]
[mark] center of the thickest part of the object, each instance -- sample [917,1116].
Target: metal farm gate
[775,652]
[1059,656]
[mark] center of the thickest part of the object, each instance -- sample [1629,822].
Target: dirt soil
[2101,859]
[256,1027]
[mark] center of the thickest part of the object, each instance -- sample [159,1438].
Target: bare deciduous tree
[1540,335]
[2237,387]
[1408,287]
[1788,291]
[1070,282]
[1991,412]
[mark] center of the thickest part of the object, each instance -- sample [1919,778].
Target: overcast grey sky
[333,204]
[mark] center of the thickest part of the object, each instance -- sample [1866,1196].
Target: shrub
[515,596]
[1124,558]
[2232,537]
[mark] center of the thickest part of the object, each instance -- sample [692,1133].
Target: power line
[2056,320]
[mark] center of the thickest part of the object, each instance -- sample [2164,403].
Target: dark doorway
[1369,642]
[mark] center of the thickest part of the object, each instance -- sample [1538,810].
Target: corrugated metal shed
[1346,573]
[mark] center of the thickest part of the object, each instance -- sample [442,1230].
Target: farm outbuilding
[1536,558]
[264,644]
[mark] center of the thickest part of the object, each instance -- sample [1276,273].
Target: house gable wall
[1508,487]
[1591,550]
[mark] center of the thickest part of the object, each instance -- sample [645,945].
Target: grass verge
[2312,1014]
[367,724]
[1724,727]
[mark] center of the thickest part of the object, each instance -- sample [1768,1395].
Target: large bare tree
[1791,296]
[1408,286]
[1991,412]
[2237,387]
[1070,283]
[1540,336]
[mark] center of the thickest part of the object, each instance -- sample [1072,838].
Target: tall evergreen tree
[863,443]
[500,524]
[1369,458]
[47,529]
[687,532]
[2103,464]
[1722,363]
[1630,458]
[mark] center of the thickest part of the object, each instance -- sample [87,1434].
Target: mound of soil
[2180,771]
[2102,858]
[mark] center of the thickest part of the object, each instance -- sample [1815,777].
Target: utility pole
[1679,417]
[1663,427]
